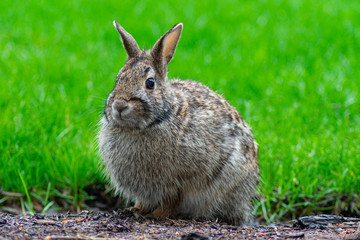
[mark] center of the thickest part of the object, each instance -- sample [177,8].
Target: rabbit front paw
[138,208]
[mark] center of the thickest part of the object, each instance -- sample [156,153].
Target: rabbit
[175,147]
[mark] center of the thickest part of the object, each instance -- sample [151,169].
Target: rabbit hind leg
[167,208]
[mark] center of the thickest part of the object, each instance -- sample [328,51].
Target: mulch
[124,224]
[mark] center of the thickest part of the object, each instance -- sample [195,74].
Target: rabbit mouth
[122,114]
[128,113]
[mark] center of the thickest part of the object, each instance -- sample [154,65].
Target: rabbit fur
[178,148]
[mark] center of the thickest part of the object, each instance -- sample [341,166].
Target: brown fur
[179,148]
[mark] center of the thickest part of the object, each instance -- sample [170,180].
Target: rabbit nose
[119,105]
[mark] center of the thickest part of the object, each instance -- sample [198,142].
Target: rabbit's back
[224,147]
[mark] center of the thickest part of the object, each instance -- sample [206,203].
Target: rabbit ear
[130,45]
[164,48]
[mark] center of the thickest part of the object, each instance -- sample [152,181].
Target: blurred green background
[291,68]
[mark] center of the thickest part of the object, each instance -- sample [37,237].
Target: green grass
[291,68]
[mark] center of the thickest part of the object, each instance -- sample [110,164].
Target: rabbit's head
[139,98]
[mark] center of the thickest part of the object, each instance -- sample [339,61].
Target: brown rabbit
[176,147]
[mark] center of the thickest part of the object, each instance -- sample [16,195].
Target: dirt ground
[124,224]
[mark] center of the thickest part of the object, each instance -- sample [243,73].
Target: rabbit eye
[150,83]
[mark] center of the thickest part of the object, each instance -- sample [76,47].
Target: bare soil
[124,224]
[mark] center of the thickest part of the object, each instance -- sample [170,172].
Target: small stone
[194,236]
[39,216]
[3,221]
